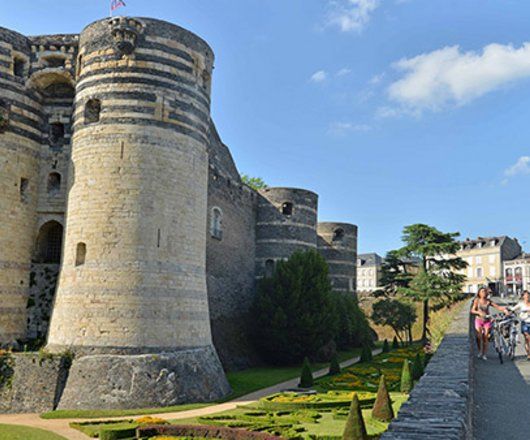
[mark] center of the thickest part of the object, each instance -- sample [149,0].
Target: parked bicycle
[505,336]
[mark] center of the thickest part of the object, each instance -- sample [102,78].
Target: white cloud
[449,76]
[522,166]
[344,71]
[351,15]
[376,79]
[319,76]
[340,128]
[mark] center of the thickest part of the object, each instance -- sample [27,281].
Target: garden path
[61,426]
[502,397]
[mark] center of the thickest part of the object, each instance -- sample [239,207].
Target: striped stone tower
[132,300]
[337,243]
[287,222]
[20,121]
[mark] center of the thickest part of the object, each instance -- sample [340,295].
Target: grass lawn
[242,382]
[16,432]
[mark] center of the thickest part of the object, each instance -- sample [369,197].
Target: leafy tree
[366,354]
[353,329]
[256,183]
[395,274]
[355,428]
[386,347]
[306,377]
[406,378]
[293,311]
[334,366]
[437,279]
[417,367]
[395,343]
[398,315]
[382,409]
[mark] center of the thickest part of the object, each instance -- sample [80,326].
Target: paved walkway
[61,426]
[502,397]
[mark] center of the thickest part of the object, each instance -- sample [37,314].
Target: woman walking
[523,310]
[481,310]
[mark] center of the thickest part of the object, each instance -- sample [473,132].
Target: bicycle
[505,336]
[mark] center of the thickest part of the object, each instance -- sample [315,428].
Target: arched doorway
[49,243]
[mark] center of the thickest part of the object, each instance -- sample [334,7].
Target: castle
[107,136]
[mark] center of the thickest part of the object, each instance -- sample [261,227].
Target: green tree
[417,367]
[437,279]
[382,409]
[352,327]
[293,312]
[395,343]
[386,347]
[366,354]
[256,183]
[406,378]
[334,366]
[355,428]
[396,314]
[306,377]
[395,274]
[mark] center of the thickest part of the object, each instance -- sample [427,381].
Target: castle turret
[337,243]
[20,121]
[133,277]
[287,222]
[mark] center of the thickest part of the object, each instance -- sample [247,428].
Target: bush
[366,354]
[406,378]
[117,434]
[293,311]
[306,378]
[334,366]
[395,344]
[202,431]
[355,428]
[382,409]
[386,347]
[417,367]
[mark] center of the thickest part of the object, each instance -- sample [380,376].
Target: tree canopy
[254,182]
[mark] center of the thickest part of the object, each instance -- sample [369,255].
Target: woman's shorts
[482,324]
[525,327]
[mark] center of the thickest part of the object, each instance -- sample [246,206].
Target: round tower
[133,276]
[337,243]
[287,222]
[20,121]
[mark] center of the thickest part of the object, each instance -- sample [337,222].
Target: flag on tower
[115,4]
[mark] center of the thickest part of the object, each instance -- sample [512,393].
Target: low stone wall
[440,404]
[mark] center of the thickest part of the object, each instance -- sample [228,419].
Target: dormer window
[287,208]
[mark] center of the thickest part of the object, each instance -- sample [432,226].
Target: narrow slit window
[269,268]
[287,208]
[92,111]
[56,132]
[338,234]
[24,184]
[216,225]
[54,183]
[18,67]
[158,239]
[80,254]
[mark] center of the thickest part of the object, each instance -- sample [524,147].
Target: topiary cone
[395,343]
[366,354]
[406,378]
[417,367]
[306,377]
[386,347]
[355,428]
[334,366]
[382,409]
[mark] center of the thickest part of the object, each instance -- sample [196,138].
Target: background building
[517,274]
[485,257]
[369,272]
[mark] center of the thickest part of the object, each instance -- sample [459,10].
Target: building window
[269,268]
[49,243]
[92,111]
[480,273]
[80,254]
[56,132]
[19,67]
[54,61]
[287,208]
[54,183]
[478,260]
[24,184]
[338,234]
[216,223]
[493,271]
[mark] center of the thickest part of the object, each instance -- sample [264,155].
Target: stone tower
[286,222]
[337,243]
[20,119]
[132,300]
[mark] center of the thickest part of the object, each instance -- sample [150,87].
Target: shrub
[148,420]
[293,313]
[366,354]
[334,366]
[117,434]
[306,377]
[406,378]
[203,431]
[386,347]
[417,367]
[395,343]
[382,409]
[355,428]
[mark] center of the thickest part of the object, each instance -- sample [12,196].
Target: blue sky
[394,111]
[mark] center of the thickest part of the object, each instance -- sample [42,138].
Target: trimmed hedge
[222,432]
[267,404]
[117,434]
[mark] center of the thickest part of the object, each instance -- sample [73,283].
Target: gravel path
[61,426]
[502,397]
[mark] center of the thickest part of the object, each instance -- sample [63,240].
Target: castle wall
[337,243]
[230,258]
[20,136]
[287,222]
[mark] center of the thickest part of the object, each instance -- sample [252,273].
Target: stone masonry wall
[43,281]
[440,404]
